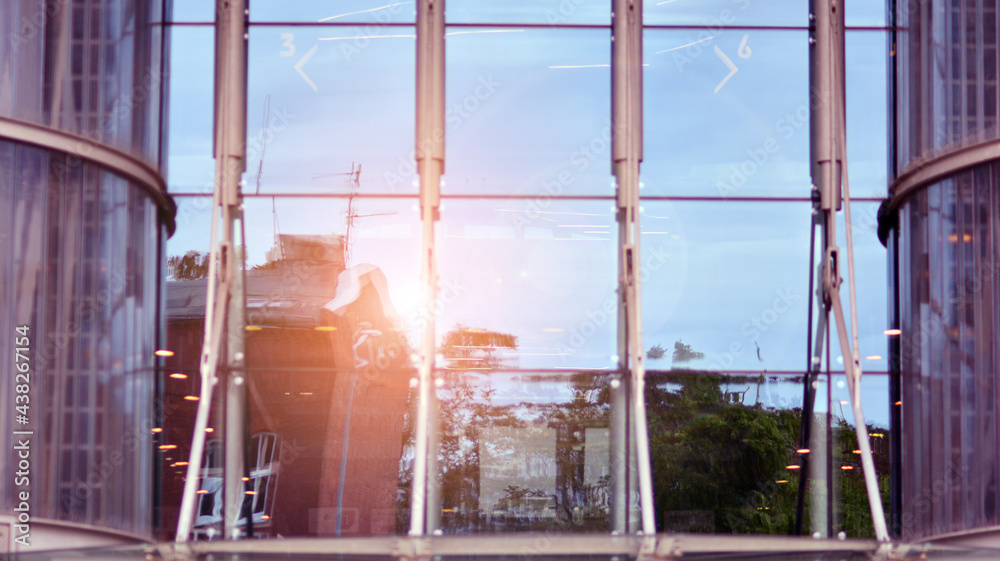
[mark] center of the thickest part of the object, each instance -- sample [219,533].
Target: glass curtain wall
[81,94]
[946,106]
[527,251]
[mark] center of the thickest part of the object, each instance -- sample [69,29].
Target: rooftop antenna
[263,147]
[350,216]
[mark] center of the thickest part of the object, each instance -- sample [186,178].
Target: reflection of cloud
[365,11]
[685,45]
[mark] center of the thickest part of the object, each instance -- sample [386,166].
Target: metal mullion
[225,303]
[626,156]
[430,133]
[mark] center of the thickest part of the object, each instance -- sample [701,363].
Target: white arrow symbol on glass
[729,63]
[302,62]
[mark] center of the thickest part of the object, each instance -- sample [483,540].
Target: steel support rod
[829,166]
[626,155]
[230,145]
[225,302]
[430,166]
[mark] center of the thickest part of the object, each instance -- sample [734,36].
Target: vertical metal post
[828,120]
[626,155]
[230,147]
[430,166]
[224,306]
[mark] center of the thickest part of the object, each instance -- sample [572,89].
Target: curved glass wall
[946,70]
[80,263]
[946,74]
[81,267]
[948,354]
[87,67]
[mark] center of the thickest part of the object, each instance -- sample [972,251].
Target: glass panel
[324,105]
[535,278]
[194,231]
[340,430]
[329,353]
[875,405]
[723,129]
[713,14]
[101,79]
[724,454]
[864,12]
[335,253]
[727,287]
[374,13]
[870,270]
[77,279]
[528,112]
[718,13]
[194,11]
[552,12]
[190,160]
[946,68]
[866,114]
[524,452]
[947,347]
[721,447]
[855,512]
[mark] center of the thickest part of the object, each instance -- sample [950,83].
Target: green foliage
[711,453]
[684,353]
[191,266]
[656,352]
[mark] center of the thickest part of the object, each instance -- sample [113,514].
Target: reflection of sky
[528,110]
[785,392]
[708,13]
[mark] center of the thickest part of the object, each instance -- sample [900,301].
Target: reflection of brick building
[322,349]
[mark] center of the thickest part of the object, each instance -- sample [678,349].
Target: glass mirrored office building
[526,397]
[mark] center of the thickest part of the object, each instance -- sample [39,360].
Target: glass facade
[527,331]
[532,421]
[945,76]
[947,355]
[88,67]
[80,264]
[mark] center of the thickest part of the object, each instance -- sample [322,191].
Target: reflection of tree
[499,423]
[711,453]
[191,266]
[719,459]
[684,353]
[468,348]
[714,455]
[656,352]
[515,499]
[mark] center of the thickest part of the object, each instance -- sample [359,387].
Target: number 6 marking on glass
[744,51]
